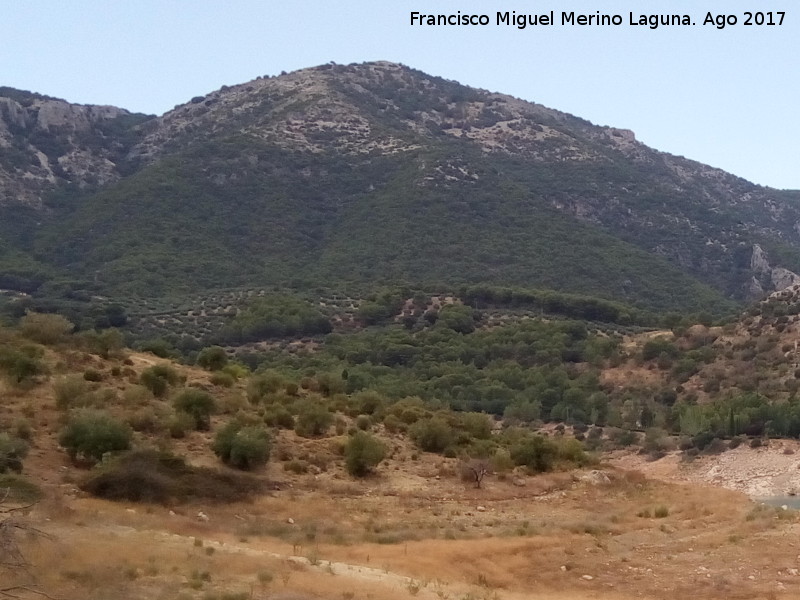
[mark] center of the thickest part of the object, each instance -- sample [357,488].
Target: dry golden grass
[414,530]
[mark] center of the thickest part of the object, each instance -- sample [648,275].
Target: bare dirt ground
[613,535]
[772,470]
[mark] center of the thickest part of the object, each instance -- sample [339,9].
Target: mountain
[353,176]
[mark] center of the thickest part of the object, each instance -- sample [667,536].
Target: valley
[358,332]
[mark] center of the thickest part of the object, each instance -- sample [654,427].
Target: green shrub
[278,416]
[160,347]
[45,328]
[151,476]
[12,452]
[92,375]
[222,379]
[212,358]
[20,366]
[393,424]
[103,343]
[536,452]
[179,424]
[363,453]
[89,434]
[313,419]
[477,425]
[71,391]
[244,447]
[368,402]
[18,489]
[658,346]
[263,384]
[198,404]
[158,378]
[572,451]
[432,435]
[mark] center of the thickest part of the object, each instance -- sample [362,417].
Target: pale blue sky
[729,98]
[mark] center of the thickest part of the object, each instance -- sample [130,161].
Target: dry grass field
[620,529]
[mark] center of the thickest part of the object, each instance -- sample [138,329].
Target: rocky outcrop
[47,141]
[767,278]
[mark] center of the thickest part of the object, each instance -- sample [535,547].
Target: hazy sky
[729,97]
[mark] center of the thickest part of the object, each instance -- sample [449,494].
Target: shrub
[71,391]
[179,424]
[362,453]
[477,425]
[12,452]
[535,452]
[394,425]
[368,402]
[158,378]
[160,347]
[151,476]
[89,434]
[212,358]
[197,404]
[278,416]
[222,379]
[572,451]
[242,447]
[313,419]
[20,366]
[45,328]
[501,461]
[103,343]
[92,375]
[264,384]
[432,435]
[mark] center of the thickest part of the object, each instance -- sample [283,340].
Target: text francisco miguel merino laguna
[521,21]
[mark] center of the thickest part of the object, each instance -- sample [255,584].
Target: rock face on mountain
[337,168]
[47,142]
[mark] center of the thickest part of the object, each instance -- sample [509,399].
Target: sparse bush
[661,512]
[222,379]
[212,358]
[20,366]
[198,404]
[313,419]
[12,452]
[501,461]
[158,378]
[368,402]
[363,453]
[432,435]
[179,424]
[89,434]
[71,391]
[151,476]
[394,425]
[278,416]
[45,328]
[263,384]
[535,452]
[244,447]
[92,375]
